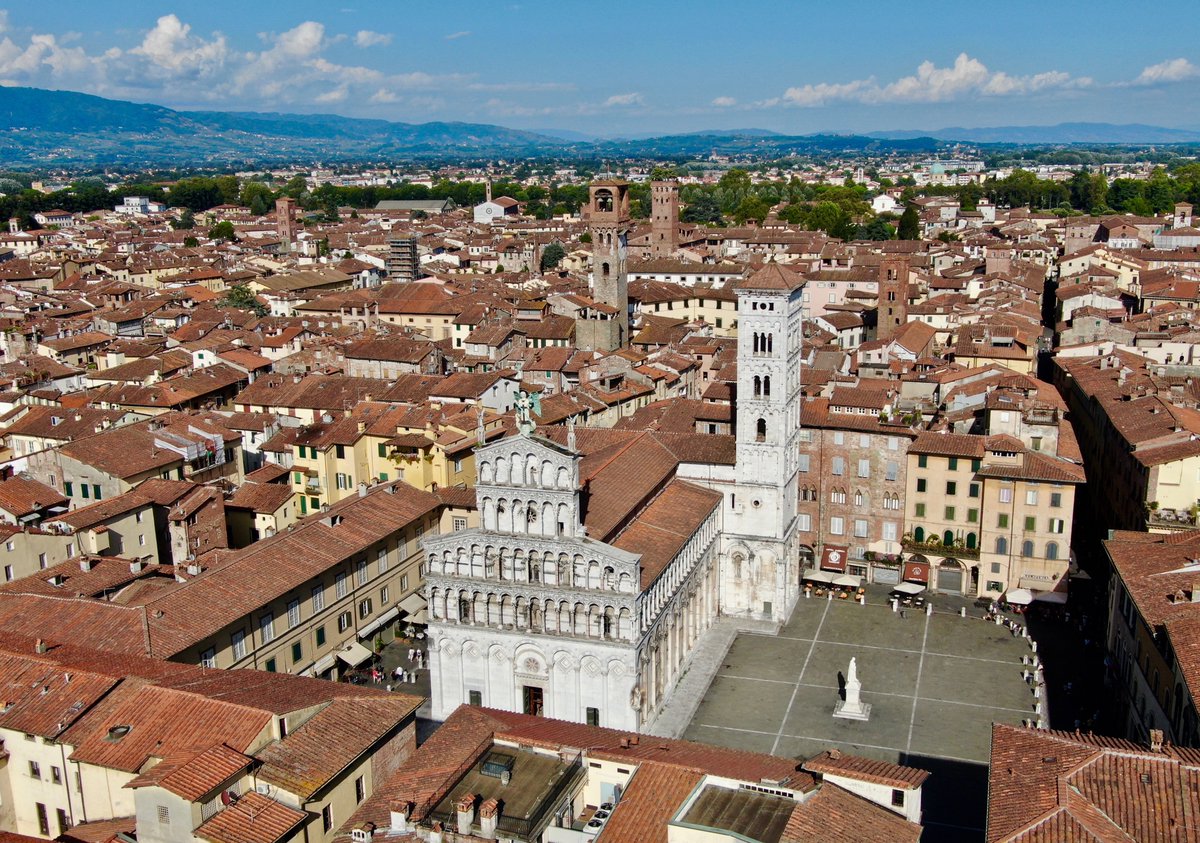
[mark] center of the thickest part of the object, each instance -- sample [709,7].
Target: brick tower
[285,222]
[664,218]
[893,297]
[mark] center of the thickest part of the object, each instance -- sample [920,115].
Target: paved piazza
[935,685]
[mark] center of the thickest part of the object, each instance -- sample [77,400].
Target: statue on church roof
[526,406]
[570,433]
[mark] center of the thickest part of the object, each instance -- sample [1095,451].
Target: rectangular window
[922,461]
[975,464]
[897,798]
[382,449]
[973,490]
[266,627]
[83,490]
[8,573]
[860,528]
[360,572]
[804,462]
[69,489]
[973,516]
[804,522]
[339,585]
[1030,523]
[208,658]
[1056,499]
[318,598]
[320,636]
[1031,497]
[63,822]
[1057,525]
[364,608]
[889,531]
[381,558]
[951,487]
[383,596]
[864,468]
[949,513]
[995,586]
[474,697]
[1002,520]
[327,818]
[920,484]
[1006,495]
[297,652]
[44,820]
[35,770]
[837,525]
[893,470]
[293,613]
[341,451]
[271,666]
[239,644]
[403,582]
[893,443]
[919,510]
[839,438]
[96,491]
[344,621]
[839,466]
[593,716]
[953,464]
[360,789]
[458,524]
[995,567]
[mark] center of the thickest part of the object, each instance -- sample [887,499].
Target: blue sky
[626,67]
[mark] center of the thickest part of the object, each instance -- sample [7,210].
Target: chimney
[465,813]
[40,647]
[400,815]
[1196,592]
[85,564]
[1156,740]
[362,490]
[489,816]
[436,833]
[135,566]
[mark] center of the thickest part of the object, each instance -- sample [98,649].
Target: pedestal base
[860,712]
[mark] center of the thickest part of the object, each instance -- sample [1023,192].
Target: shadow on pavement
[954,801]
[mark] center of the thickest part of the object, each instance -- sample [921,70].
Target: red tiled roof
[254,818]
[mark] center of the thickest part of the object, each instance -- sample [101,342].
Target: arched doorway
[950,576]
[808,558]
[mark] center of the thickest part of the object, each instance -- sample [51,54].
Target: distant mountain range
[1083,133]
[52,129]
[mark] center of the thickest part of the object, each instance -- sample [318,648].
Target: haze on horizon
[624,68]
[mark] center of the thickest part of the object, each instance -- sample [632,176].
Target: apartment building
[100,743]
[984,514]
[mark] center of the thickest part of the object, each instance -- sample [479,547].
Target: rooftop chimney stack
[465,813]
[1156,740]
[489,817]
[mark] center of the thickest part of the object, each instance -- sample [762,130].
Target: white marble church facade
[527,613]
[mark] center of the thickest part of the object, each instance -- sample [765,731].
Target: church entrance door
[533,700]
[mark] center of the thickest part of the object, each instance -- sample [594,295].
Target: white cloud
[454,36]
[724,102]
[967,76]
[170,47]
[338,94]
[367,38]
[1172,70]
[624,100]
[823,92]
[383,95]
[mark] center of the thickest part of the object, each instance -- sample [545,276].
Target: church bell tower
[609,224]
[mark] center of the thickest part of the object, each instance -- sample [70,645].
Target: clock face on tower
[487,211]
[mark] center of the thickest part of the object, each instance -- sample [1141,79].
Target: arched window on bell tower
[766,386]
[757,386]
[760,433]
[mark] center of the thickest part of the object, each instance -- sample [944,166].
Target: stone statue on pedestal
[852,708]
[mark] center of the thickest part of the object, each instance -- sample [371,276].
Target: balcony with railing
[934,546]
